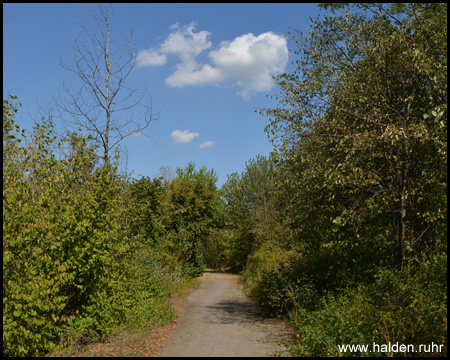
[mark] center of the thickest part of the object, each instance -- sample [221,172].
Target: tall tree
[104,104]
[190,210]
[368,101]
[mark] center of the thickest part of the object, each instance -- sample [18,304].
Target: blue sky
[206,66]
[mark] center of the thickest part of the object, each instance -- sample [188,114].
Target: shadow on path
[219,320]
[233,311]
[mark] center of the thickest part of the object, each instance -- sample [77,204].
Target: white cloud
[182,137]
[150,57]
[248,62]
[174,26]
[185,42]
[206,144]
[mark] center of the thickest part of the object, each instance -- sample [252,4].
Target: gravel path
[219,320]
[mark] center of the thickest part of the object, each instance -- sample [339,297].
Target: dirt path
[219,320]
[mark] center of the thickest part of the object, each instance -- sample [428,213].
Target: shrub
[410,309]
[73,271]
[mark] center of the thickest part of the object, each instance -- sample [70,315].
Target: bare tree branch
[104,105]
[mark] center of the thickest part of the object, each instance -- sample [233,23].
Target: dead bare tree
[104,105]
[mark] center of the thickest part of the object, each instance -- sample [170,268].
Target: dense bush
[214,248]
[265,278]
[62,249]
[410,310]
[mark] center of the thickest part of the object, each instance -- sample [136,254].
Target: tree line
[343,228]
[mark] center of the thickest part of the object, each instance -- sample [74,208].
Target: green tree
[62,243]
[251,209]
[191,208]
[368,102]
[146,208]
[360,134]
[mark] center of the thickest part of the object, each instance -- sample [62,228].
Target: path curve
[219,320]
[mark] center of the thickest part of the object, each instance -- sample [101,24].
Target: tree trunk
[399,251]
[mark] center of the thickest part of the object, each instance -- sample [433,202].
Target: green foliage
[265,277]
[146,208]
[147,291]
[77,263]
[32,284]
[202,175]
[215,249]
[250,211]
[191,208]
[359,189]
[356,125]
[411,309]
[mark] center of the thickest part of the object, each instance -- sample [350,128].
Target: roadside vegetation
[87,252]
[342,230]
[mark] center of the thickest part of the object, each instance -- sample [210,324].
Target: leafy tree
[251,208]
[146,208]
[62,245]
[84,251]
[190,211]
[367,102]
[189,173]
[360,130]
